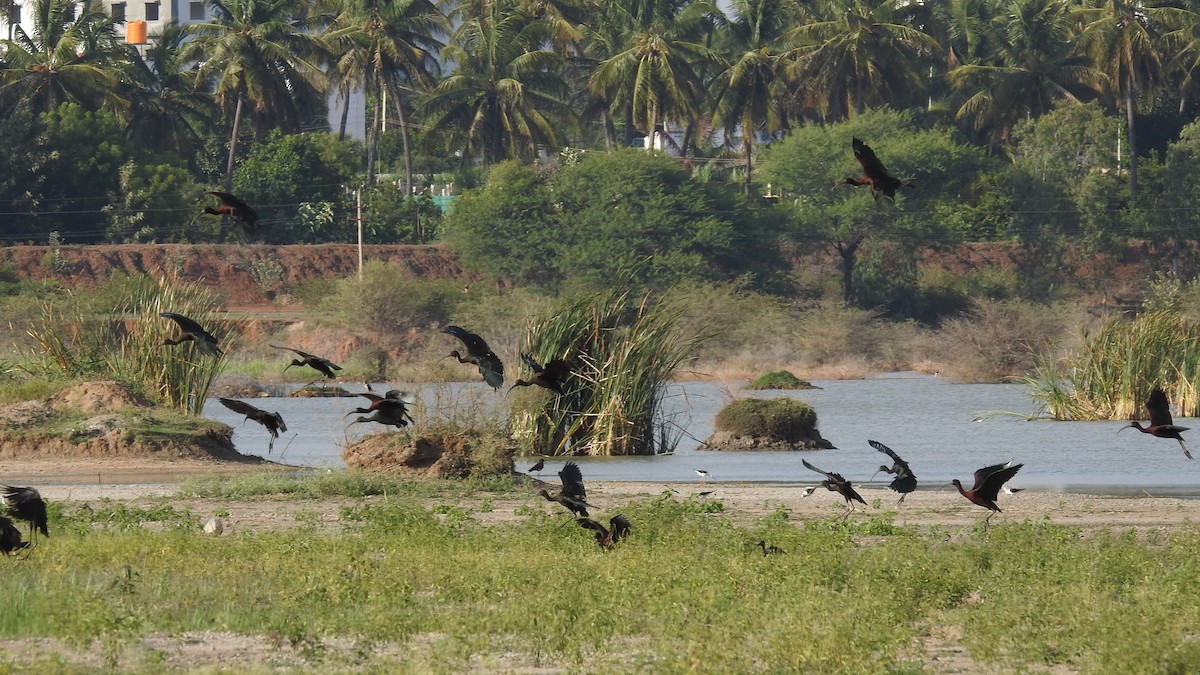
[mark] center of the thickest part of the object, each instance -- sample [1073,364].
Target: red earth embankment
[230,268]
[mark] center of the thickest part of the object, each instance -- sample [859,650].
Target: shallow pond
[927,420]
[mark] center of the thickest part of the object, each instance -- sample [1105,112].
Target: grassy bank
[416,581]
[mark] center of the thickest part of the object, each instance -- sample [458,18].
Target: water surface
[927,420]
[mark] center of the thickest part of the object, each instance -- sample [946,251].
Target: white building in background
[156,15]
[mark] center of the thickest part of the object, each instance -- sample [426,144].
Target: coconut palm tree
[259,52]
[385,45]
[1122,38]
[71,55]
[656,76]
[747,91]
[866,53]
[505,95]
[1182,43]
[1034,66]
[166,112]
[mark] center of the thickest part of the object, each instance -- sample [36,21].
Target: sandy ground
[133,481]
[139,482]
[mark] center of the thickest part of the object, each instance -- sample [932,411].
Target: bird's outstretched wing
[185,324]
[990,479]
[20,496]
[590,524]
[1159,408]
[492,370]
[885,450]
[533,365]
[810,467]
[871,166]
[572,481]
[476,346]
[242,407]
[290,349]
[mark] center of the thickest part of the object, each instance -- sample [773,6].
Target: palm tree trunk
[345,113]
[373,138]
[610,130]
[408,172]
[747,139]
[1130,117]
[629,124]
[233,136]
[497,140]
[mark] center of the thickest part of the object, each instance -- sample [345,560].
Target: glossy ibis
[550,376]
[874,174]
[1161,424]
[835,483]
[541,464]
[192,331]
[572,495]
[988,482]
[10,537]
[273,421]
[618,529]
[229,205]
[317,363]
[478,353]
[25,503]
[391,409]
[905,480]
[767,549]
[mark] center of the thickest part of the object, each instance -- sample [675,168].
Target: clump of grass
[1110,375]
[778,419]
[624,352]
[124,343]
[779,379]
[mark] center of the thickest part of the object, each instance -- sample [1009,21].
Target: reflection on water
[925,419]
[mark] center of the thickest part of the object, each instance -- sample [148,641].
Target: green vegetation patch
[783,419]
[780,379]
[418,588]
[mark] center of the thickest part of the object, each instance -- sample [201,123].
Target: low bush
[783,419]
[780,379]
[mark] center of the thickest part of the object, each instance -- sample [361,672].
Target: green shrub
[386,300]
[780,379]
[784,419]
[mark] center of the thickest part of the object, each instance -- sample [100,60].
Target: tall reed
[124,342]
[624,352]
[1110,375]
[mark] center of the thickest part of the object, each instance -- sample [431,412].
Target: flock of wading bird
[391,409]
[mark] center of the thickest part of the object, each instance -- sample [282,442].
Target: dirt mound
[433,455]
[104,437]
[98,397]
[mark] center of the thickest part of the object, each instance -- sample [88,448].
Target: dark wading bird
[572,495]
[391,409]
[550,376]
[905,480]
[618,528]
[767,549]
[835,483]
[1161,424]
[317,363]
[10,537]
[25,503]
[988,482]
[273,421]
[541,464]
[478,353]
[229,205]
[874,174]
[192,331]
